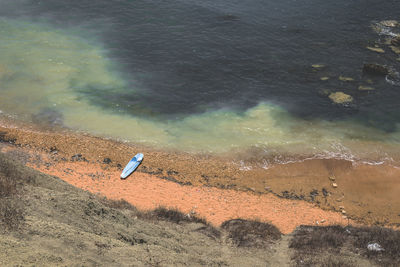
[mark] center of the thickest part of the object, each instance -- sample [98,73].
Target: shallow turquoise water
[214,76]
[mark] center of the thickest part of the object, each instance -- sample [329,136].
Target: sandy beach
[310,192]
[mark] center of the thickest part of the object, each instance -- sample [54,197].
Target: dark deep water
[181,61]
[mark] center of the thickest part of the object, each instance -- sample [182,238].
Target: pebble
[343,212]
[323,220]
[331,178]
[324,78]
[334,185]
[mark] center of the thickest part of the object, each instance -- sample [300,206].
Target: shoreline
[365,194]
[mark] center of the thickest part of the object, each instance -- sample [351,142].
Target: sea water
[217,76]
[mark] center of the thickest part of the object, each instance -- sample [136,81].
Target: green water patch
[40,66]
[266,130]
[45,75]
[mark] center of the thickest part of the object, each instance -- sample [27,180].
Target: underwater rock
[324,92]
[345,79]
[395,41]
[385,28]
[318,66]
[395,49]
[340,97]
[376,49]
[365,88]
[389,23]
[375,69]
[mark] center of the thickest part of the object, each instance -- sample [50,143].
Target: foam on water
[42,68]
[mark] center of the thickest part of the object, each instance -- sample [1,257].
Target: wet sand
[215,187]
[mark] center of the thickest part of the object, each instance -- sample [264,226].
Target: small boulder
[375,69]
[340,199]
[375,247]
[78,157]
[340,98]
[107,160]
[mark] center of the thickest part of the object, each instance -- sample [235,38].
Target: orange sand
[216,205]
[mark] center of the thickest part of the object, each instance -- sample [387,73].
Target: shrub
[317,238]
[172,215]
[120,204]
[323,261]
[245,233]
[310,242]
[8,186]
[11,211]
[389,240]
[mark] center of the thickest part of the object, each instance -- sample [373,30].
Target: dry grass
[325,261]
[387,238]
[171,215]
[311,242]
[164,214]
[244,233]
[11,208]
[120,204]
[319,238]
